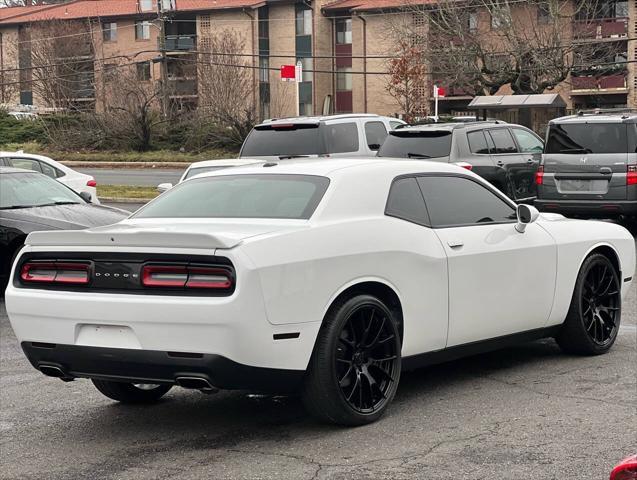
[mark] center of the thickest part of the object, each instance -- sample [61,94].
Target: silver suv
[504,154]
[348,135]
[589,166]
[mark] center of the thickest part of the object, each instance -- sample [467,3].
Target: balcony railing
[606,82]
[601,28]
[178,42]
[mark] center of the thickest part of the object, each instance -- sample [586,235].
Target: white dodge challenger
[325,276]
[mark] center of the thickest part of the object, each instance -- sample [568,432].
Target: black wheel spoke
[600,302]
[377,336]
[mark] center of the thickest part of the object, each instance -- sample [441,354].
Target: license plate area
[582,186]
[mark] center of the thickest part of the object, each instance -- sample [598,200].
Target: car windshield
[240,196]
[582,138]
[197,170]
[26,190]
[285,140]
[421,144]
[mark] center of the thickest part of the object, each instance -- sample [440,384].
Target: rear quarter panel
[576,239]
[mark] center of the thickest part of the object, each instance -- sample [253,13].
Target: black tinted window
[503,141]
[423,144]
[287,140]
[405,201]
[587,138]
[341,137]
[477,142]
[240,196]
[375,132]
[461,201]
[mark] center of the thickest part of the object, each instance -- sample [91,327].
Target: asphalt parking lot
[529,412]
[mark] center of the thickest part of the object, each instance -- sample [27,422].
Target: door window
[454,201]
[503,141]
[341,137]
[405,202]
[375,132]
[528,142]
[49,171]
[26,164]
[478,143]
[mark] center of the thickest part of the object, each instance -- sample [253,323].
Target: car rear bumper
[151,366]
[594,208]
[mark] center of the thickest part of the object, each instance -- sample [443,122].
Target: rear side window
[528,142]
[578,138]
[503,141]
[375,133]
[421,144]
[341,137]
[406,202]
[49,171]
[453,201]
[286,140]
[240,196]
[477,142]
[25,163]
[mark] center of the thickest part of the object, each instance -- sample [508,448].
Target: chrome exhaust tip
[54,371]
[196,383]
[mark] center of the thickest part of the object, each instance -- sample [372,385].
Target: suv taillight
[539,175]
[631,175]
[53,272]
[187,276]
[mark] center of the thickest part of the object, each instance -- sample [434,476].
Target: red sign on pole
[288,73]
[442,92]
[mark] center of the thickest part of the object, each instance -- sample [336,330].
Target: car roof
[601,117]
[323,118]
[225,162]
[337,167]
[20,153]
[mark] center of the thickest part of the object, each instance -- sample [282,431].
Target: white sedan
[77,181]
[329,277]
[206,166]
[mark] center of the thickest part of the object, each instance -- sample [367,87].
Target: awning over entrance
[504,102]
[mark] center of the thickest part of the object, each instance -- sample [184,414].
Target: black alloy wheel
[366,358]
[592,323]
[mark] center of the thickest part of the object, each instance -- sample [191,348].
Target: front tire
[355,368]
[592,323]
[131,392]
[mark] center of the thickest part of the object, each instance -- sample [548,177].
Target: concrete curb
[149,165]
[124,200]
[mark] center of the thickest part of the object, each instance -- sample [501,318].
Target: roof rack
[604,111]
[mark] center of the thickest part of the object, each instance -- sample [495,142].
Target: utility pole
[163,61]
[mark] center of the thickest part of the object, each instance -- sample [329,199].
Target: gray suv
[506,155]
[589,166]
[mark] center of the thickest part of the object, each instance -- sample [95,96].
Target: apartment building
[344,47]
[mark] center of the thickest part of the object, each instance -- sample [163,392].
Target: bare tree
[408,82]
[9,72]
[226,89]
[482,45]
[60,63]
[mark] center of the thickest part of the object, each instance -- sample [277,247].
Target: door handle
[605,171]
[455,243]
[529,160]
[500,163]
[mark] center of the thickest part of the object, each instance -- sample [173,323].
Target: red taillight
[539,175]
[91,183]
[631,175]
[466,165]
[180,276]
[626,470]
[55,272]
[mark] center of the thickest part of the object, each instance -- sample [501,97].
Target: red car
[626,470]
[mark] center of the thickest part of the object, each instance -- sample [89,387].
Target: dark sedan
[31,201]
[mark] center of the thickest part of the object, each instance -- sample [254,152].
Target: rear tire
[131,393]
[354,371]
[593,318]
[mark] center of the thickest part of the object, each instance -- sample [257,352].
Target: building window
[344,79]
[147,5]
[303,20]
[264,24]
[473,21]
[500,17]
[307,67]
[142,30]
[344,31]
[143,71]
[109,32]
[109,70]
[264,69]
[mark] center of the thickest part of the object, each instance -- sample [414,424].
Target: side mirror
[374,146]
[526,214]
[87,197]
[164,187]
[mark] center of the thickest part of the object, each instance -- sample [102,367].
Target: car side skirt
[474,348]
